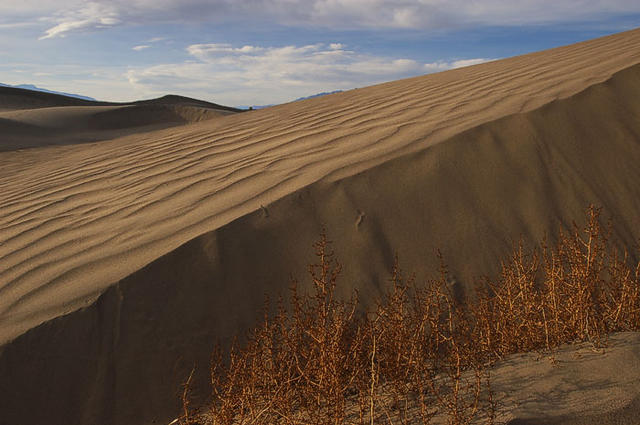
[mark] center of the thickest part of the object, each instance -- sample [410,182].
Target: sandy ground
[579,384]
[576,384]
[183,230]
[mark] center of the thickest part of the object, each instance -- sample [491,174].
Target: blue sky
[253,52]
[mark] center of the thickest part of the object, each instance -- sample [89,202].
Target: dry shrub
[579,290]
[421,352]
[189,413]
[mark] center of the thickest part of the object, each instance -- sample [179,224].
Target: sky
[258,52]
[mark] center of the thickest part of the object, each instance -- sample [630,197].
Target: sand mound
[530,141]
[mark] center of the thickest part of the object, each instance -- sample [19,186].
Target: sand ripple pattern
[75,219]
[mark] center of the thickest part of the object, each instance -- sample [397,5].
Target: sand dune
[32,119]
[528,143]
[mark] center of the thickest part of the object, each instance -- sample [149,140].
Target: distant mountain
[40,89]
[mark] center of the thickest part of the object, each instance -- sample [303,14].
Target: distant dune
[33,119]
[122,261]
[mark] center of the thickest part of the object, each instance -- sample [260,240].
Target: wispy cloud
[90,17]
[248,74]
[151,41]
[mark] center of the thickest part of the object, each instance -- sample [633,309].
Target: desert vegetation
[422,355]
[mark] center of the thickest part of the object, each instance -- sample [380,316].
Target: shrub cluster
[421,353]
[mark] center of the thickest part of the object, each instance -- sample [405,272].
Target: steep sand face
[76,219]
[121,359]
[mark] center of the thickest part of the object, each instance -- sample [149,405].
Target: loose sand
[577,385]
[183,230]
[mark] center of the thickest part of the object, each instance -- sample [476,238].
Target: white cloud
[141,47]
[90,17]
[203,51]
[444,65]
[249,74]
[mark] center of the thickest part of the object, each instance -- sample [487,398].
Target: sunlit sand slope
[76,219]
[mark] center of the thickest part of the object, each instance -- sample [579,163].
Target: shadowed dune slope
[76,219]
[120,360]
